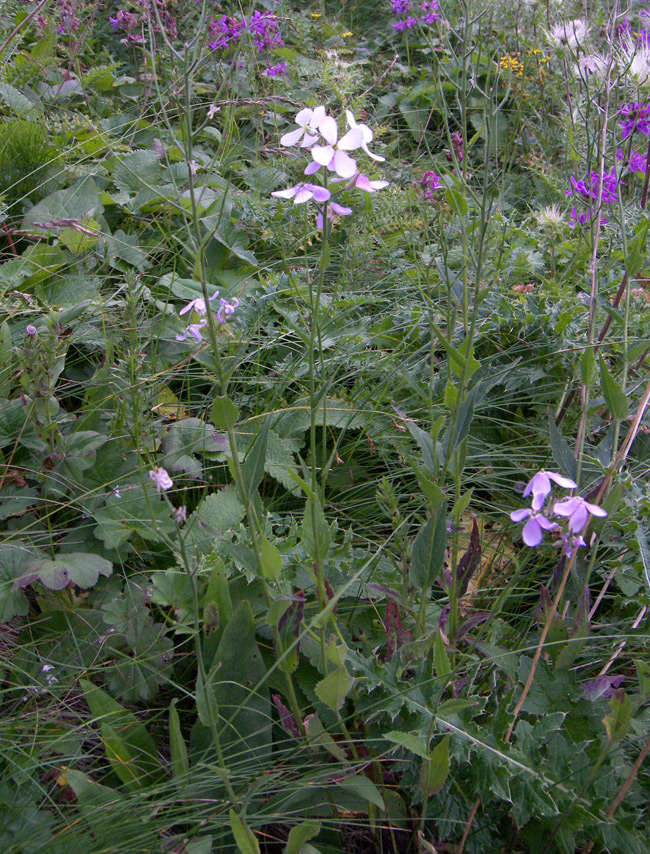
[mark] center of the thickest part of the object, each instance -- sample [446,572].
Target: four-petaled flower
[309,122]
[301,193]
[194,329]
[577,511]
[198,305]
[161,479]
[534,528]
[334,155]
[333,210]
[541,486]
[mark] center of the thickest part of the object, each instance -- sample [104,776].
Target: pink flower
[303,192]
[161,479]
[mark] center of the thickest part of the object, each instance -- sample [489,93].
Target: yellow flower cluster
[511,62]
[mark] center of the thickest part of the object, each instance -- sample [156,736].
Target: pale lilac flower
[367,135]
[362,182]
[194,329]
[334,155]
[577,510]
[198,305]
[180,514]
[212,111]
[334,210]
[303,192]
[226,309]
[570,34]
[541,486]
[116,492]
[161,479]
[193,166]
[309,122]
[534,528]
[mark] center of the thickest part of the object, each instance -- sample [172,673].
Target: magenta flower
[635,162]
[577,511]
[637,119]
[301,193]
[534,528]
[161,479]
[541,486]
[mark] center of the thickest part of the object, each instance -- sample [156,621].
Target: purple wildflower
[226,309]
[637,119]
[534,528]
[301,193]
[540,486]
[590,190]
[636,162]
[194,329]
[161,479]
[409,12]
[577,511]
[428,184]
[278,70]
[334,210]
[198,305]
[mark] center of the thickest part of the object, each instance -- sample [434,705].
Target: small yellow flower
[346,35]
[510,62]
[315,15]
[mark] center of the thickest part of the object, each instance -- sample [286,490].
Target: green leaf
[334,688]
[79,200]
[428,552]
[271,560]
[217,604]
[409,741]
[253,467]
[241,691]
[615,397]
[300,834]
[643,675]
[435,769]
[130,749]
[14,560]
[244,836]
[457,202]
[360,785]
[440,657]
[224,414]
[21,105]
[618,722]
[188,438]
[315,532]
[82,569]
[216,514]
[180,761]
[562,453]
[6,360]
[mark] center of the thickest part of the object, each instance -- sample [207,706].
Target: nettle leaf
[185,439]
[216,514]
[82,569]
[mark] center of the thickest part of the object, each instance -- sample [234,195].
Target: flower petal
[352,139]
[304,117]
[532,533]
[292,137]
[343,164]
[312,167]
[328,130]
[322,154]
[285,194]
[321,194]
[564,482]
[304,194]
[521,514]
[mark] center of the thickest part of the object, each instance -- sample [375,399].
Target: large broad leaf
[241,694]
[130,749]
[74,202]
[82,569]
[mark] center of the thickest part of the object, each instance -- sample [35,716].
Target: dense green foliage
[260,588]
